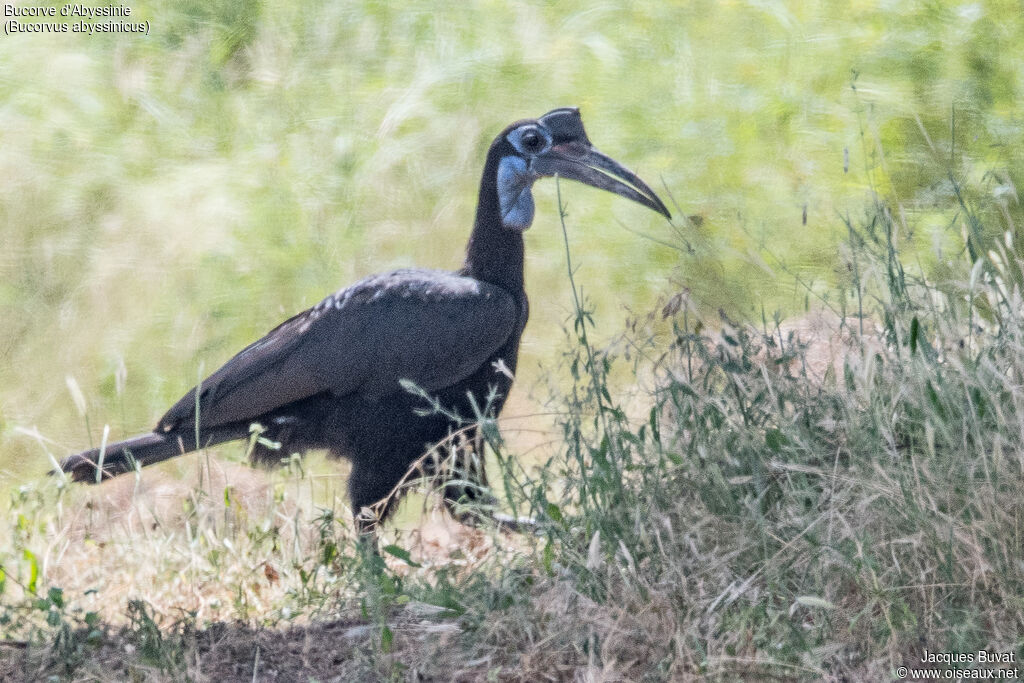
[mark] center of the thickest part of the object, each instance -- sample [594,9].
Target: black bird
[336,376]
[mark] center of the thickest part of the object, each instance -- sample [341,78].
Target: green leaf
[554,512]
[402,554]
[653,421]
[387,584]
[775,439]
[33,570]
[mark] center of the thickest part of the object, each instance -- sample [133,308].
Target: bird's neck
[494,253]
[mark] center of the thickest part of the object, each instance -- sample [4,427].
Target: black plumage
[336,376]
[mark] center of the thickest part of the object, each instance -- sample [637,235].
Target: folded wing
[431,327]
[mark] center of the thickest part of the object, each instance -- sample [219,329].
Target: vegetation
[723,491]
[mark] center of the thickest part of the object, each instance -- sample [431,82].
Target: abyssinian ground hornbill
[337,375]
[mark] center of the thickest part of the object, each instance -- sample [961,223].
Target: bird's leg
[365,521]
[465,481]
[366,533]
[367,544]
[471,486]
[371,489]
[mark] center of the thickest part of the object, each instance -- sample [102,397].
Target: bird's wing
[433,328]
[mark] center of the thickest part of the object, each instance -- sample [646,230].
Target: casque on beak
[572,156]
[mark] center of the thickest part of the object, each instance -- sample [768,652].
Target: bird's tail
[145,449]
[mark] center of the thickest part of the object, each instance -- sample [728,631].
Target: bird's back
[433,328]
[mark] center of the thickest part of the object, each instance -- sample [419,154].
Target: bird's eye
[532,141]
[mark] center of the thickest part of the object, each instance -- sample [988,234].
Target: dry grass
[793,503]
[817,535]
[821,505]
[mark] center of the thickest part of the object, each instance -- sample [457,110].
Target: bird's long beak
[579,161]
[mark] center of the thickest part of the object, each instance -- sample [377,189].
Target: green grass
[169,199]
[778,501]
[724,491]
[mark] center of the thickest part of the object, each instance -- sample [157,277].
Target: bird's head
[556,144]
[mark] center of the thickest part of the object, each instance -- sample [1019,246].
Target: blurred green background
[166,199]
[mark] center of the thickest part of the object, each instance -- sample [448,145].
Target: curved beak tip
[588,166]
[663,210]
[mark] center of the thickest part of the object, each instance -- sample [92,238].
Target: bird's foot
[483,515]
[519,525]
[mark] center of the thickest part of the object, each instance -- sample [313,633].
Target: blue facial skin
[514,197]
